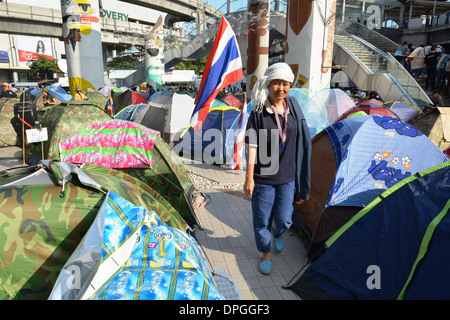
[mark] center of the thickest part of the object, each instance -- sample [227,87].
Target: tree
[124,60]
[197,65]
[44,68]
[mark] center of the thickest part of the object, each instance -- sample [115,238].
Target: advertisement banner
[29,48]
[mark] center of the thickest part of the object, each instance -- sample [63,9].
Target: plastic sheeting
[129,254]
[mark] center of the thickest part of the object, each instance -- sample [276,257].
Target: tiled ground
[228,241]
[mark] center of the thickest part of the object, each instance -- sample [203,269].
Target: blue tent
[129,113]
[210,143]
[333,103]
[130,254]
[395,248]
[403,110]
[56,91]
[315,115]
[352,162]
[373,153]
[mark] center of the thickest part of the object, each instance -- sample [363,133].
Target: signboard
[36,135]
[29,48]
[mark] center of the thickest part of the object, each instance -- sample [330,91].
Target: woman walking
[278,159]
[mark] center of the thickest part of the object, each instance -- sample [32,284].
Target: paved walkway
[10,157]
[228,240]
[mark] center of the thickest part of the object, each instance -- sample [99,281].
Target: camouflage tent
[45,212]
[138,151]
[97,98]
[8,136]
[63,121]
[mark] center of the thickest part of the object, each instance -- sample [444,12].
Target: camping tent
[403,110]
[352,162]
[232,99]
[333,102]
[315,114]
[45,212]
[168,113]
[367,109]
[111,144]
[210,143]
[130,254]
[394,248]
[130,113]
[56,91]
[96,98]
[138,151]
[120,98]
[342,80]
[63,121]
[435,124]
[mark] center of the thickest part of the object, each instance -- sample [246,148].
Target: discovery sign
[113,15]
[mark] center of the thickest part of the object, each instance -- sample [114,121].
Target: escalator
[368,60]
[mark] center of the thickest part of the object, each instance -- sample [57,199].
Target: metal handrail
[364,32]
[385,63]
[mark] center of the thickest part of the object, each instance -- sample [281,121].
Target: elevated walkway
[365,53]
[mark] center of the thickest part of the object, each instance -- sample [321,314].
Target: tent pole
[23,130]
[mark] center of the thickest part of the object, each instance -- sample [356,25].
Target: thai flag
[169,72]
[224,67]
[236,162]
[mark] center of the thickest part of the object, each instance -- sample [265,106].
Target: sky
[222,4]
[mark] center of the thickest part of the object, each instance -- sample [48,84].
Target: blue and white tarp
[372,154]
[130,254]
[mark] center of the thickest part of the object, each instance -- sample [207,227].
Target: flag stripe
[218,70]
[238,151]
[224,67]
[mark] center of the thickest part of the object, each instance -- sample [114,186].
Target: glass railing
[369,35]
[406,81]
[359,51]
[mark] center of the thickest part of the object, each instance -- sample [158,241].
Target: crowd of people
[8,91]
[430,61]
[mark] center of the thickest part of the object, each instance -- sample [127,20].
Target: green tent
[97,98]
[63,121]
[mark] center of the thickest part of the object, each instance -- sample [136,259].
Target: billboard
[30,47]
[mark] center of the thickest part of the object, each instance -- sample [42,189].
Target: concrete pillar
[154,55]
[83,44]
[309,42]
[15,76]
[200,20]
[258,41]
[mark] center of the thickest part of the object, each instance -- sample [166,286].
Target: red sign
[25,56]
